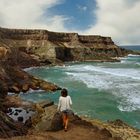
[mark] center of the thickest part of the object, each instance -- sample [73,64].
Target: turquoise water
[105,91]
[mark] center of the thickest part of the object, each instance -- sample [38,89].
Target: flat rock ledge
[46,124]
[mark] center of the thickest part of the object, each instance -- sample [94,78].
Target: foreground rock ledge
[47,125]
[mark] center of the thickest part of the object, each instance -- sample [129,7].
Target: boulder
[50,120]
[48,86]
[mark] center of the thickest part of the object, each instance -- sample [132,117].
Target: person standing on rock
[64,106]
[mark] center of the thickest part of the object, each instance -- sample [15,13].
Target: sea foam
[124,83]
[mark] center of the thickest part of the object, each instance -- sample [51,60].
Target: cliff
[50,47]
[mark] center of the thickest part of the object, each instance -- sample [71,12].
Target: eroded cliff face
[48,47]
[14,79]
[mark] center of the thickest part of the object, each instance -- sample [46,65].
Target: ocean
[134,47]
[105,91]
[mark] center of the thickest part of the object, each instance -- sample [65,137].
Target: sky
[118,19]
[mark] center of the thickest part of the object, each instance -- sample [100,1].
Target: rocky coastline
[27,48]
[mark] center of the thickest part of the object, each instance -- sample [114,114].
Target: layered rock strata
[48,47]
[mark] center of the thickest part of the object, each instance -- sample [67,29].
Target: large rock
[50,120]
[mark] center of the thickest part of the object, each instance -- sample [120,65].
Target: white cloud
[31,14]
[118,19]
[82,8]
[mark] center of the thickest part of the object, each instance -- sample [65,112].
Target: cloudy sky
[119,19]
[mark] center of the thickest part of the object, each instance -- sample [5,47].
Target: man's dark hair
[64,92]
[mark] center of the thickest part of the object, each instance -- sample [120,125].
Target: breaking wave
[124,83]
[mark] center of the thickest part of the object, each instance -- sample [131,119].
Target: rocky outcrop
[46,122]
[79,128]
[50,47]
[14,80]
[117,128]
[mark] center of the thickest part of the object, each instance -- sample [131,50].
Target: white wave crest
[133,55]
[122,72]
[121,82]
